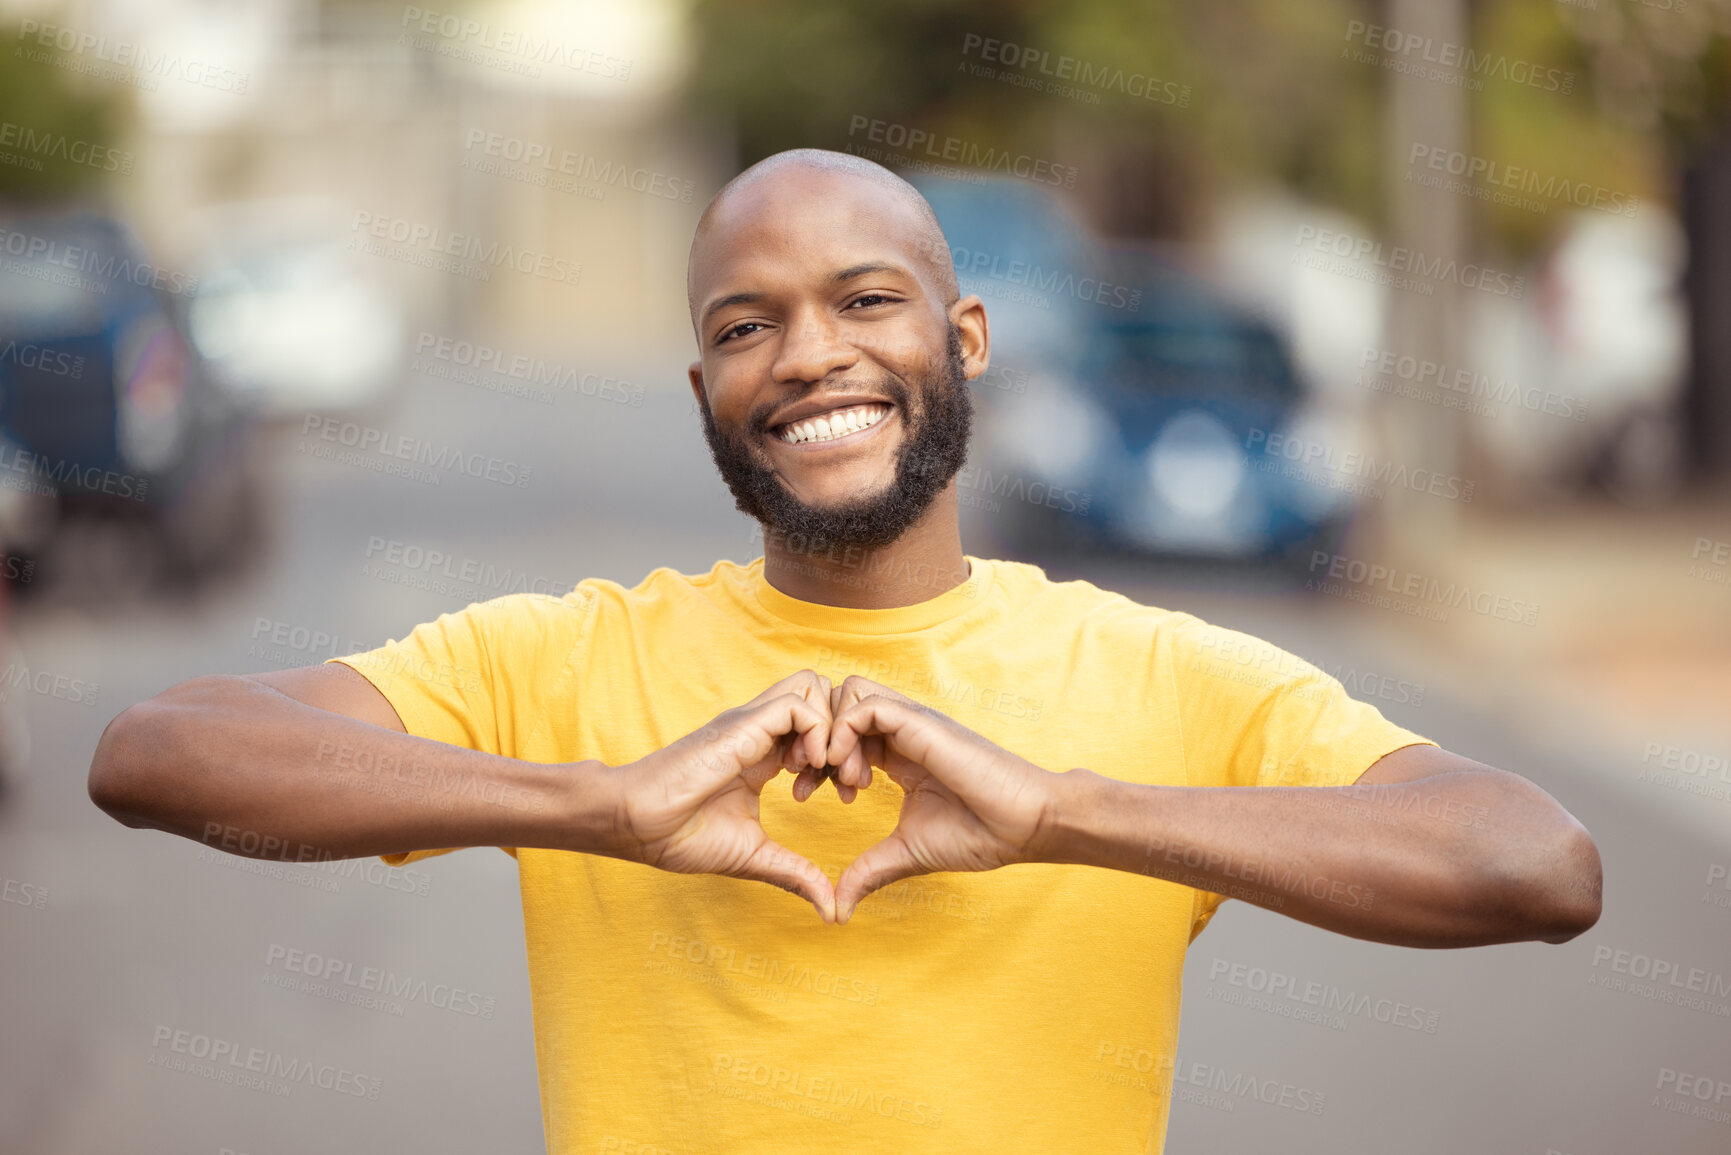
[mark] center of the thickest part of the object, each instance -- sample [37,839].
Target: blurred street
[1394,332]
[141,930]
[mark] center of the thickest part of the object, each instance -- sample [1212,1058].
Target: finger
[791,752]
[845,774]
[856,768]
[868,753]
[816,744]
[857,686]
[811,781]
[752,740]
[807,784]
[903,725]
[814,688]
[843,751]
[853,769]
[775,864]
[806,683]
[874,753]
[879,865]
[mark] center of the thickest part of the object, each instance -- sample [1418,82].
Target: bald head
[862,194]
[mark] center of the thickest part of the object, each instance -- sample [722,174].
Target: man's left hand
[969,804]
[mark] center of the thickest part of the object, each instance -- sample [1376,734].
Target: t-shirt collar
[897,620]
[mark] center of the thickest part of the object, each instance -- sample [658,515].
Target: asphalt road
[110,937]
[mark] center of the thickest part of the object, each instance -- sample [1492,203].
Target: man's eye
[739,330]
[872,298]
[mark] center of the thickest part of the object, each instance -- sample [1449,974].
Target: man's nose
[811,350]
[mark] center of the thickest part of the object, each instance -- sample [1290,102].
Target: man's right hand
[692,806]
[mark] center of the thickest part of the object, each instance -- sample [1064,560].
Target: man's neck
[923,563]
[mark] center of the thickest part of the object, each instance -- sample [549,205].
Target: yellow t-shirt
[1031,1008]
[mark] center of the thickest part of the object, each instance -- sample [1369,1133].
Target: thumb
[877,866]
[775,864]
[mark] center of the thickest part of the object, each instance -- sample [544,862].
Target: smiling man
[1041,790]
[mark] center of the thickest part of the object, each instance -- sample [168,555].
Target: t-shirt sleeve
[1252,714]
[451,680]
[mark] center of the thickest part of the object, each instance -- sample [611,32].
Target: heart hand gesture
[692,806]
[969,805]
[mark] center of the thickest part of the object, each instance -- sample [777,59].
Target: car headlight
[1315,485]
[1057,431]
[1195,466]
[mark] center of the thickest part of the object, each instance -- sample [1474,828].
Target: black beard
[933,450]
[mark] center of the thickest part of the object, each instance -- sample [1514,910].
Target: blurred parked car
[1588,367]
[112,433]
[1027,257]
[1150,405]
[287,315]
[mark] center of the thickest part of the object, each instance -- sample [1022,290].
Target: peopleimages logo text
[82,259]
[1083,73]
[953,150]
[1463,61]
[523,45]
[1330,570]
[1059,282]
[59,146]
[150,63]
[1400,259]
[442,242]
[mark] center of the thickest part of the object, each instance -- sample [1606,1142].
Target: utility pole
[1423,107]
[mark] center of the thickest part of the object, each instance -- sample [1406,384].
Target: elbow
[119,776]
[1550,893]
[143,752]
[1575,888]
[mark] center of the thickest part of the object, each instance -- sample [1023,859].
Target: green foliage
[1272,97]
[1260,97]
[794,74]
[43,99]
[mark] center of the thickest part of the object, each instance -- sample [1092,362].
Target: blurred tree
[796,74]
[1652,88]
[41,99]
[1272,93]
[1181,98]
[1654,120]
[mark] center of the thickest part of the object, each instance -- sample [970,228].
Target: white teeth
[833,425]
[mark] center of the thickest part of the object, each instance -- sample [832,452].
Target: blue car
[1130,408]
[107,413]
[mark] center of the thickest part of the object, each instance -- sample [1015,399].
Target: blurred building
[518,170]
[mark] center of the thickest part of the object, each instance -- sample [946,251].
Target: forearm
[1462,859]
[238,765]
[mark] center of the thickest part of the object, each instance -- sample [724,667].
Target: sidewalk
[1631,651]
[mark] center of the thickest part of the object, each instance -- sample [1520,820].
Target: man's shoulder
[662,583]
[589,592]
[1037,591]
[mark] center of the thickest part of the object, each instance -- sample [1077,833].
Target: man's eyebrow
[861,270]
[844,275]
[730,299]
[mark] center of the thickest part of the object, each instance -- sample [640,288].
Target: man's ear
[969,315]
[695,372]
